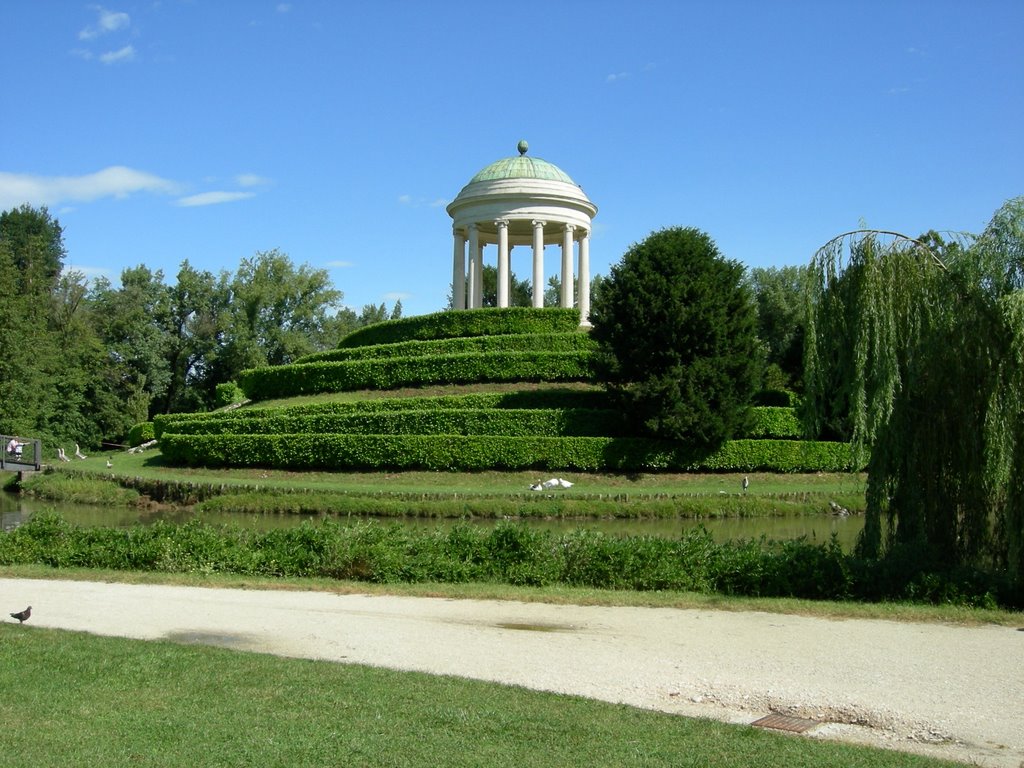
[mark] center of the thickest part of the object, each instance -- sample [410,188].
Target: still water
[817,528]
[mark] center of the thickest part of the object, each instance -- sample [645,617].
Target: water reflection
[819,528]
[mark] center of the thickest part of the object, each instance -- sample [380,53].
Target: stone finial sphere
[523,147]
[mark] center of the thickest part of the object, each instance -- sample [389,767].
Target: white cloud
[339,264]
[420,202]
[212,198]
[121,55]
[284,7]
[116,181]
[397,295]
[107,21]
[616,77]
[250,180]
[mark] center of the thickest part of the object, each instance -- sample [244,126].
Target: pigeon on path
[21,616]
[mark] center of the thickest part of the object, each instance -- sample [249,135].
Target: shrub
[510,552]
[676,328]
[514,342]
[466,421]
[228,393]
[312,378]
[141,433]
[471,322]
[773,423]
[475,452]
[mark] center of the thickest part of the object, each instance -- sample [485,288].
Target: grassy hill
[506,389]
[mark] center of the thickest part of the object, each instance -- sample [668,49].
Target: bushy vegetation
[477,452]
[470,322]
[676,330]
[390,373]
[915,350]
[577,341]
[510,553]
[519,422]
[141,433]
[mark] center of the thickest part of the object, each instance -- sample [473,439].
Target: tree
[201,350]
[935,333]
[675,325]
[779,293]
[279,312]
[131,322]
[31,253]
[36,243]
[519,295]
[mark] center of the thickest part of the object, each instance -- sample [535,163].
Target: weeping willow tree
[915,353]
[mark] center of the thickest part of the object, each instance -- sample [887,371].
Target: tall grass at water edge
[510,553]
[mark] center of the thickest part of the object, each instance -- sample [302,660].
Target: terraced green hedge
[312,378]
[341,417]
[469,322]
[578,341]
[527,399]
[487,421]
[474,452]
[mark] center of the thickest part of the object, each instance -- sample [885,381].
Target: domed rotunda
[521,200]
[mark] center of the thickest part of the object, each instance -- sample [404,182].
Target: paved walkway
[955,692]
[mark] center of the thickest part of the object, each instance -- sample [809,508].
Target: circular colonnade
[521,200]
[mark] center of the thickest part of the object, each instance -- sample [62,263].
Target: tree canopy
[84,361]
[675,325]
[922,342]
[779,294]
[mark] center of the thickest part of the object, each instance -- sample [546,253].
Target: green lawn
[77,700]
[149,465]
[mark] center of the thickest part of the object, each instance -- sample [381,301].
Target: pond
[817,528]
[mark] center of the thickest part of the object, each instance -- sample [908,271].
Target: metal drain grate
[786,723]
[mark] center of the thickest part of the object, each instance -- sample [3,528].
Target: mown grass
[75,699]
[635,490]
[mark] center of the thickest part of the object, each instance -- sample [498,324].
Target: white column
[538,263]
[478,286]
[459,271]
[474,266]
[503,270]
[567,267]
[584,279]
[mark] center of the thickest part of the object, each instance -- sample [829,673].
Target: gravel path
[955,692]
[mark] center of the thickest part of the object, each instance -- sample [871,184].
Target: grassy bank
[455,494]
[156,704]
[507,553]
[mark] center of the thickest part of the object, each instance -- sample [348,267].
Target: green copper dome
[522,167]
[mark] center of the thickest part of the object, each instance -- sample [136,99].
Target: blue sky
[336,131]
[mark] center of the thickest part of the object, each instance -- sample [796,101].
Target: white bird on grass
[554,482]
[61,455]
[78,452]
[746,483]
[109,464]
